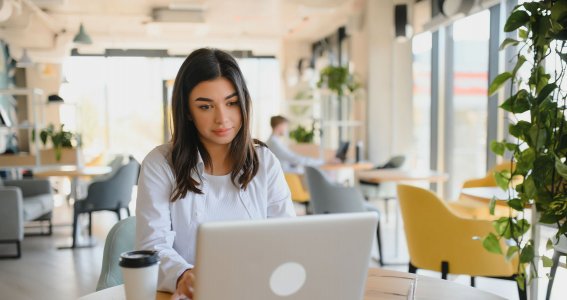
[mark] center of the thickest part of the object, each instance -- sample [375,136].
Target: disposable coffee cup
[140,273]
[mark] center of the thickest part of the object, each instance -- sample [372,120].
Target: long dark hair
[203,65]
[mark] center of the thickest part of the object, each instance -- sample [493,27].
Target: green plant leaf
[492,205]
[561,168]
[511,251]
[527,254]
[521,281]
[530,189]
[547,262]
[516,20]
[492,244]
[498,82]
[519,129]
[549,245]
[519,63]
[497,147]
[503,179]
[546,91]
[517,103]
[522,227]
[516,204]
[523,34]
[507,42]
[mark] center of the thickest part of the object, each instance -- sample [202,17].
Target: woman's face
[215,111]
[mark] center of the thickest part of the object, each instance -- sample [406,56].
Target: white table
[380,284]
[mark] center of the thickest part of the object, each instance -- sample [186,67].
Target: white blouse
[171,227]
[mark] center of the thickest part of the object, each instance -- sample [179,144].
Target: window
[421,49]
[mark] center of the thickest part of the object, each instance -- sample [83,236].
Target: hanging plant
[337,79]
[539,148]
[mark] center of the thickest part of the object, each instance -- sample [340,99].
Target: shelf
[341,123]
[26,160]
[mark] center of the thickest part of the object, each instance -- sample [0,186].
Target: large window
[421,49]
[120,100]
[468,131]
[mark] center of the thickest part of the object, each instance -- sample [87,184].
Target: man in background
[290,161]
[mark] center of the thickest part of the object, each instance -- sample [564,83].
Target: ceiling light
[25,61]
[82,36]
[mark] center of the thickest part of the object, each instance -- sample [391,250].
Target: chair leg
[90,224]
[75,229]
[412,268]
[523,294]
[128,211]
[18,250]
[444,269]
[473,281]
[118,213]
[379,240]
[50,227]
[556,255]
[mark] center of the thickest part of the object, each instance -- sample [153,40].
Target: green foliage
[540,148]
[302,135]
[60,139]
[337,79]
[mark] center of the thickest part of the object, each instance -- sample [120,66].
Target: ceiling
[47,27]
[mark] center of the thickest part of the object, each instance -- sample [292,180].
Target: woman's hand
[184,286]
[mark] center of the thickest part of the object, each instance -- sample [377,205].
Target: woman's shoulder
[159,154]
[265,155]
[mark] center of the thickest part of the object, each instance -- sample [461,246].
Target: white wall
[389,82]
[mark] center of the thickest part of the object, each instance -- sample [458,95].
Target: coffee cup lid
[138,259]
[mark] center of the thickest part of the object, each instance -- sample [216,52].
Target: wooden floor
[44,272]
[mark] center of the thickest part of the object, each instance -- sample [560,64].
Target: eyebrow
[210,100]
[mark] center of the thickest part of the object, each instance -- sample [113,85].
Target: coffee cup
[140,274]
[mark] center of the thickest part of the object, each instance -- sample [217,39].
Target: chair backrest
[394,163]
[329,198]
[434,234]
[298,192]
[120,239]
[116,191]
[488,179]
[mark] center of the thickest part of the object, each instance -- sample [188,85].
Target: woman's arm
[153,219]
[279,196]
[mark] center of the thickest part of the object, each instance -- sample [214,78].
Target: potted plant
[302,134]
[539,146]
[338,80]
[60,139]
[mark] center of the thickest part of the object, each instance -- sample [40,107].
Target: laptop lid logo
[287,279]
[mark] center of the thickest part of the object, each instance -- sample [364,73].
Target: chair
[395,162]
[470,208]
[22,201]
[298,192]
[559,249]
[120,239]
[438,240]
[112,194]
[329,198]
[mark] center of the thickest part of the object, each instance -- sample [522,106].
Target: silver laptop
[311,257]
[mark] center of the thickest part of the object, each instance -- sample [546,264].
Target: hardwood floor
[44,272]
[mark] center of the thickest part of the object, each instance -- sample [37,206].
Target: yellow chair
[470,208]
[298,192]
[438,240]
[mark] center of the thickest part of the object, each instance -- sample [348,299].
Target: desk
[380,284]
[398,175]
[359,166]
[74,173]
[485,194]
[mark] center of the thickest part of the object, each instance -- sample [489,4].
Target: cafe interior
[412,105]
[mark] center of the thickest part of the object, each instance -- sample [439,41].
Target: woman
[212,170]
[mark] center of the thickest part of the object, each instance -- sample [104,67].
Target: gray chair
[23,201]
[395,162]
[330,198]
[120,239]
[111,194]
